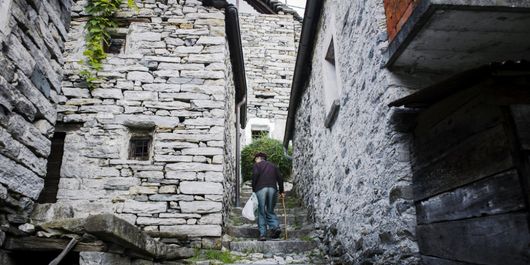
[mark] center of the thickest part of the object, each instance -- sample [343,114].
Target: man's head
[260,157]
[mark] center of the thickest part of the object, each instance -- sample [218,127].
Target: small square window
[256,134]
[116,44]
[139,148]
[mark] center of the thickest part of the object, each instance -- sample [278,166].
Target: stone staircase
[300,247]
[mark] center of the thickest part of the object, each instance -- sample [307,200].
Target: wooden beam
[432,141]
[51,244]
[493,240]
[495,195]
[483,155]
[428,260]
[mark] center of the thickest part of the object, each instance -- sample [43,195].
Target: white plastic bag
[249,211]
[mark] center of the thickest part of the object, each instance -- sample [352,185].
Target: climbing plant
[101,21]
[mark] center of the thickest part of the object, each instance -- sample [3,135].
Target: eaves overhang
[456,35]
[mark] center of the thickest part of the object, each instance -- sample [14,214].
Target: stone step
[273,246]
[251,231]
[236,211]
[291,219]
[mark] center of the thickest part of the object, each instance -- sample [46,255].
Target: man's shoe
[262,238]
[276,233]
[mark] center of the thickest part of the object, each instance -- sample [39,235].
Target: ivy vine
[101,21]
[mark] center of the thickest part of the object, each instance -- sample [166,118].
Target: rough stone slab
[193,167]
[211,219]
[102,258]
[142,120]
[43,105]
[204,122]
[107,93]
[207,104]
[131,206]
[180,66]
[27,134]
[211,40]
[20,153]
[11,98]
[193,230]
[170,197]
[20,179]
[140,76]
[200,207]
[283,246]
[206,58]
[205,74]
[174,105]
[205,151]
[162,87]
[20,55]
[160,221]
[251,231]
[214,176]
[196,187]
[110,228]
[75,92]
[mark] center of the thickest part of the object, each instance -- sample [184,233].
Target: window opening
[53,174]
[331,86]
[139,147]
[116,43]
[256,134]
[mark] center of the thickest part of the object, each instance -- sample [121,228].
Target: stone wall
[355,177]
[32,36]
[270,43]
[169,83]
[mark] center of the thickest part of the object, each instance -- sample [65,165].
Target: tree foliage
[275,154]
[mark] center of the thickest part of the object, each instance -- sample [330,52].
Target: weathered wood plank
[428,260]
[439,111]
[471,118]
[521,117]
[494,195]
[484,154]
[509,94]
[49,244]
[493,240]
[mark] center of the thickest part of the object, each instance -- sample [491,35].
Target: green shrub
[275,154]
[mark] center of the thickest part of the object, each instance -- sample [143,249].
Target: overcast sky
[297,5]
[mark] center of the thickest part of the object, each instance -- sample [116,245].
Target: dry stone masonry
[32,38]
[170,84]
[269,43]
[355,177]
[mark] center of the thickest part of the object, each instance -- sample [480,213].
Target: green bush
[274,150]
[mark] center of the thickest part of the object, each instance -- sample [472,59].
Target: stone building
[269,45]
[430,179]
[149,153]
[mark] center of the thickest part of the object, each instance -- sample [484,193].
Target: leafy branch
[102,20]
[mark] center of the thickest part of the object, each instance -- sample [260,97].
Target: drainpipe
[238,151]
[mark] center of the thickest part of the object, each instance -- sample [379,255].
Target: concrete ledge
[450,35]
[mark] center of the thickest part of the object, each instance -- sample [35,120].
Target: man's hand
[282,195]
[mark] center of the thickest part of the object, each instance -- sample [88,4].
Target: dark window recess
[182,119]
[139,148]
[53,175]
[256,134]
[330,54]
[116,44]
[264,96]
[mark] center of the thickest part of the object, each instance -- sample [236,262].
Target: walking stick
[284,216]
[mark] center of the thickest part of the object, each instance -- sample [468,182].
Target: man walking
[266,180]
